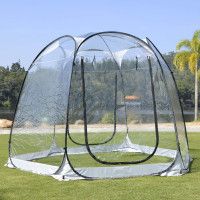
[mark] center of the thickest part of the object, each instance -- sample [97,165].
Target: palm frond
[196,35]
[184,44]
[195,45]
[181,59]
[193,61]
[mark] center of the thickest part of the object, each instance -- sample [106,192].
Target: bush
[133,119]
[108,118]
[7,104]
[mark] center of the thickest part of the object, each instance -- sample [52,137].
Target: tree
[10,84]
[188,55]
[16,67]
[184,81]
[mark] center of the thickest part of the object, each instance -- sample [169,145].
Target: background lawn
[16,184]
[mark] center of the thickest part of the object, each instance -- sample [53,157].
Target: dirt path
[164,127]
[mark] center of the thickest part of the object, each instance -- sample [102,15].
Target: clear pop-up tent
[103,105]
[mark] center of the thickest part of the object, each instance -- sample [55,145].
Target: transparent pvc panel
[100,92]
[138,97]
[141,122]
[166,120]
[176,106]
[96,57]
[111,94]
[108,88]
[39,125]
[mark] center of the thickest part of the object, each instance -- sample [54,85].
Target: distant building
[133,101]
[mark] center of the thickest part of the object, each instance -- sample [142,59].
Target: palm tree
[188,55]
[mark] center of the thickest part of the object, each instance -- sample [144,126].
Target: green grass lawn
[16,184]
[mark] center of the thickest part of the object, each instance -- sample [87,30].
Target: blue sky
[26,26]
